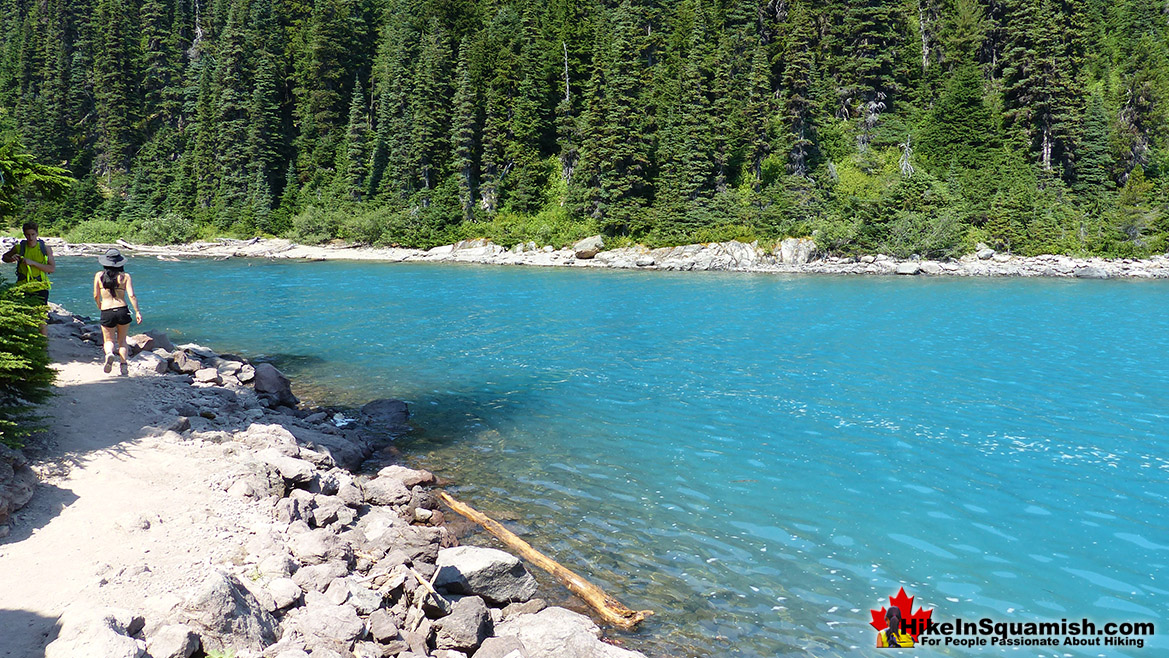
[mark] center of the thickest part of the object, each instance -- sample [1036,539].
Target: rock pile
[340,564]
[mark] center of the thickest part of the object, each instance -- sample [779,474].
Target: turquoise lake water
[759,459]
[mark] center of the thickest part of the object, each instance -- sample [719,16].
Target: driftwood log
[609,608]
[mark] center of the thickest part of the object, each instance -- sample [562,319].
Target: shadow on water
[24,634]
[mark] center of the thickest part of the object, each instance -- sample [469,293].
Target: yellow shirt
[33,252]
[903,640]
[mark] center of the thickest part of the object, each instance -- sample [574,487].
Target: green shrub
[25,376]
[171,228]
[314,225]
[97,230]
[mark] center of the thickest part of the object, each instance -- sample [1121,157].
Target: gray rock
[525,608]
[386,532]
[385,491]
[161,341]
[140,343]
[226,615]
[497,576]
[317,577]
[271,384]
[560,633]
[17,482]
[296,471]
[386,414]
[344,452]
[465,627]
[332,622]
[909,268]
[185,363]
[297,507]
[319,546]
[588,247]
[330,509]
[363,599]
[383,626]
[502,647]
[1091,272]
[208,376]
[277,566]
[149,362]
[102,632]
[986,253]
[449,653]
[645,261]
[795,251]
[246,373]
[407,476]
[285,593]
[173,641]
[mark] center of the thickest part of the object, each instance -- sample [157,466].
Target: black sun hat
[112,258]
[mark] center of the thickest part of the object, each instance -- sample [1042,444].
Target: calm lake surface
[759,459]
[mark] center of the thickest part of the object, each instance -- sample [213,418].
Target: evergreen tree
[356,163]
[115,78]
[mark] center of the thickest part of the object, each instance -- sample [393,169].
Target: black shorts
[115,317]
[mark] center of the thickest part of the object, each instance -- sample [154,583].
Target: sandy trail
[119,515]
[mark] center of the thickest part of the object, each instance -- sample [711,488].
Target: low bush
[25,376]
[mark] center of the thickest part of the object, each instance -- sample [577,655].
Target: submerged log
[609,608]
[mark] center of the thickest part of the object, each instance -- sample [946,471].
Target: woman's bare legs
[123,351]
[109,335]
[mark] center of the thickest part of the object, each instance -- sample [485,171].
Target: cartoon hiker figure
[892,636]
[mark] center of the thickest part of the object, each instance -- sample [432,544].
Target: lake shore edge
[792,256]
[296,551]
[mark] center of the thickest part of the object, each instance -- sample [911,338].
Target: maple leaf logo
[908,617]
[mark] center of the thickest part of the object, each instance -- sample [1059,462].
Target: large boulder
[345,451]
[17,482]
[185,363]
[319,546]
[271,384]
[560,633]
[295,471]
[465,628]
[386,491]
[227,616]
[386,414]
[795,251]
[1091,272]
[497,576]
[588,247]
[407,476]
[101,633]
[161,341]
[149,362]
[319,620]
[172,641]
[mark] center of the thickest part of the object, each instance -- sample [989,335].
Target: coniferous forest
[895,126]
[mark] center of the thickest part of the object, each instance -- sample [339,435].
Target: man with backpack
[34,261]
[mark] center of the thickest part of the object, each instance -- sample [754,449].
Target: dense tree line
[900,126]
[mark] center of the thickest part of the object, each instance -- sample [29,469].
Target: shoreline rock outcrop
[790,256]
[333,561]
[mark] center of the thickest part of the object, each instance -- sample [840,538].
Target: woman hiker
[111,288]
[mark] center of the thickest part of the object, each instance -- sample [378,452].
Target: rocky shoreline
[321,561]
[791,256]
